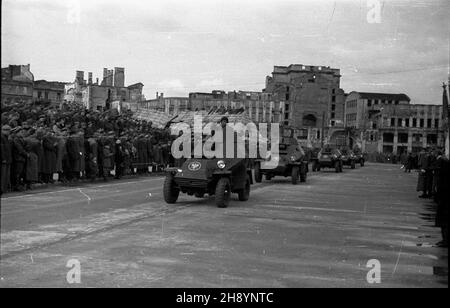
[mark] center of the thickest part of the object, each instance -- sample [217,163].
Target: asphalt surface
[316,234]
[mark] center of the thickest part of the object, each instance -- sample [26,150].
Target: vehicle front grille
[183,182]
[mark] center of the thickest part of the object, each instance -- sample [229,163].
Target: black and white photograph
[225,151]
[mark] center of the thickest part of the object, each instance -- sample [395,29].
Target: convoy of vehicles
[222,177]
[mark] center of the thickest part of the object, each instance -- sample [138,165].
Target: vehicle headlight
[293,158]
[221,164]
[179,170]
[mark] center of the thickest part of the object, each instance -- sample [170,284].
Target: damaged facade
[389,123]
[19,86]
[111,91]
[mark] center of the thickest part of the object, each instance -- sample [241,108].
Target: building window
[332,123]
[414,123]
[375,102]
[286,116]
[436,123]
[333,98]
[374,125]
[333,115]
[318,134]
[39,94]
[403,138]
[399,122]
[333,91]
[58,96]
[333,107]
[392,122]
[422,122]
[429,123]
[369,102]
[397,102]
[388,137]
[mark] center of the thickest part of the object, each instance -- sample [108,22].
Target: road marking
[77,188]
[299,208]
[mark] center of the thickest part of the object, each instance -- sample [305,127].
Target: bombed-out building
[102,95]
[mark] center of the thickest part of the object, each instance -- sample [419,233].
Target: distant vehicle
[348,158]
[329,158]
[292,160]
[359,157]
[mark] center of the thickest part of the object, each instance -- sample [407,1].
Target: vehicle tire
[258,174]
[337,167]
[171,192]
[223,192]
[244,194]
[295,174]
[353,165]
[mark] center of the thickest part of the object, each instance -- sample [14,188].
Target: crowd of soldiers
[433,182]
[39,142]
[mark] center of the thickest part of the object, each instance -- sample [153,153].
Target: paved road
[318,234]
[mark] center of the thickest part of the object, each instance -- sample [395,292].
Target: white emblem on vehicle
[194,166]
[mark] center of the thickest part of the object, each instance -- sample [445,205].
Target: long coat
[60,152]
[73,153]
[49,160]
[142,153]
[92,156]
[80,140]
[33,147]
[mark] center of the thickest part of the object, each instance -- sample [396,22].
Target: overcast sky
[178,47]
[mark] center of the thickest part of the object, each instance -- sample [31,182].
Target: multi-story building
[103,95]
[17,84]
[311,100]
[48,91]
[389,123]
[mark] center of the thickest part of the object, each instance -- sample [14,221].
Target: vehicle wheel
[171,192]
[223,192]
[337,166]
[295,174]
[258,175]
[244,194]
[353,165]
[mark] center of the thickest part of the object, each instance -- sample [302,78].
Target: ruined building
[103,95]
